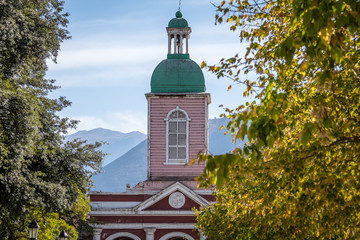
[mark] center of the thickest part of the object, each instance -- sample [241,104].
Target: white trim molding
[168,119]
[148,136]
[109,212]
[111,205]
[123,234]
[144,225]
[206,140]
[176,234]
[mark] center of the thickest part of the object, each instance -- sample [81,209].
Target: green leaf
[306,135]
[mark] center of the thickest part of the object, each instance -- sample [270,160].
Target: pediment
[175,197]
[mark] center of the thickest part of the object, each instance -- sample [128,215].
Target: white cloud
[108,55]
[88,123]
[119,58]
[131,121]
[123,65]
[118,76]
[198,3]
[124,122]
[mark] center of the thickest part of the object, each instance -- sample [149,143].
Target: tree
[51,224]
[39,172]
[298,175]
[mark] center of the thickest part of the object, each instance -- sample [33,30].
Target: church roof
[177,73]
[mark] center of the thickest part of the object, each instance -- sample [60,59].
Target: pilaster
[97,234]
[150,233]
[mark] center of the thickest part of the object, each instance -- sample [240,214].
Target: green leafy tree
[73,222]
[39,172]
[298,175]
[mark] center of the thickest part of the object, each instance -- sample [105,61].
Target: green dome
[178,22]
[177,75]
[178,14]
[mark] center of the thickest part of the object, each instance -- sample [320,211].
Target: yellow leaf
[326,33]
[203,64]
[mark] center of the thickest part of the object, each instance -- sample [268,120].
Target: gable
[175,197]
[166,202]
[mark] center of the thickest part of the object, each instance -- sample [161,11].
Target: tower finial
[179,5]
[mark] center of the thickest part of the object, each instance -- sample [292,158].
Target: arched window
[176,236]
[177,137]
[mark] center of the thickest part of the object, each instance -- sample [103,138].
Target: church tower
[177,110]
[161,208]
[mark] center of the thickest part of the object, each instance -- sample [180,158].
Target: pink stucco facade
[196,106]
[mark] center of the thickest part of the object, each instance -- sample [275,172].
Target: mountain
[132,166]
[219,143]
[118,143]
[127,169]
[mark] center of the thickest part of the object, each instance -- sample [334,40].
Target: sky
[106,67]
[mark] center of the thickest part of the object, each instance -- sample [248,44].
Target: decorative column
[181,44]
[169,44]
[97,234]
[150,233]
[175,37]
[187,44]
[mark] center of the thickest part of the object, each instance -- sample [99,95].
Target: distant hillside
[118,142]
[127,169]
[132,166]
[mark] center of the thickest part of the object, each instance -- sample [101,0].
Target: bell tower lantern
[178,31]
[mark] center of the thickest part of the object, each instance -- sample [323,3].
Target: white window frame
[167,119]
